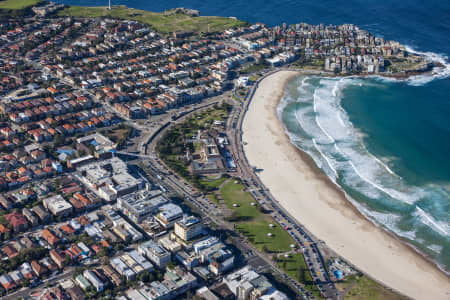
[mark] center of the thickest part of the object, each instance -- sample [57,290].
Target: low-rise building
[155,253]
[94,280]
[139,205]
[38,268]
[188,228]
[42,214]
[31,217]
[51,238]
[205,294]
[112,275]
[57,258]
[169,214]
[122,268]
[82,282]
[101,145]
[109,178]
[7,282]
[170,244]
[247,284]
[17,221]
[58,206]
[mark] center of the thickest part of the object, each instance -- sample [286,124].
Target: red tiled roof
[16,219]
[67,229]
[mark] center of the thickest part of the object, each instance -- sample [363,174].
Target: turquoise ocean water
[385,142]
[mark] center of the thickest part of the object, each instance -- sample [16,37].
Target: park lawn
[367,289]
[17,4]
[233,193]
[252,223]
[203,120]
[212,197]
[294,263]
[256,232]
[295,267]
[214,184]
[118,134]
[253,68]
[158,21]
[210,115]
[254,77]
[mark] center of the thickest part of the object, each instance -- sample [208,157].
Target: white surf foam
[337,148]
[326,158]
[437,73]
[340,132]
[417,80]
[387,220]
[436,248]
[428,220]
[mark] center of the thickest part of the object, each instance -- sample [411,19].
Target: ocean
[385,142]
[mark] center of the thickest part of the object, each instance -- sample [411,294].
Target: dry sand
[305,191]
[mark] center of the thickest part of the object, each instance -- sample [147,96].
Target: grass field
[256,231]
[252,223]
[254,77]
[214,184]
[17,4]
[233,193]
[158,21]
[253,68]
[295,267]
[212,197]
[367,289]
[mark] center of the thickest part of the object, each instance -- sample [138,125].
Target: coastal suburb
[135,149]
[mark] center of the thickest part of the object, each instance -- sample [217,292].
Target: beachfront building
[247,284]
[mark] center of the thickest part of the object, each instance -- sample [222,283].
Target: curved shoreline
[315,201]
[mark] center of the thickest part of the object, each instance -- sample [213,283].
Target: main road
[308,242]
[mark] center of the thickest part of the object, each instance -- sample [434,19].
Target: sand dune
[306,192]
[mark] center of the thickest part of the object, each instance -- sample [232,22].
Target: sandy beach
[307,193]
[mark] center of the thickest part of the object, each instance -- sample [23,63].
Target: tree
[301,275]
[105,260]
[59,140]
[104,252]
[144,277]
[265,249]
[67,260]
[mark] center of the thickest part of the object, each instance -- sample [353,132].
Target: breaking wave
[439,72]
[316,123]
